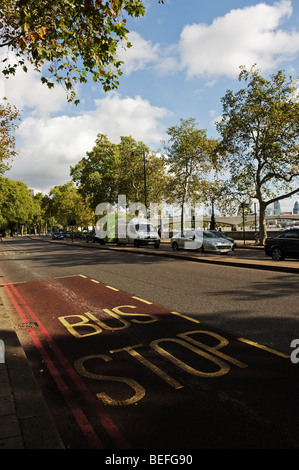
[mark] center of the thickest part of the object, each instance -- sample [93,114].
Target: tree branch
[284,196]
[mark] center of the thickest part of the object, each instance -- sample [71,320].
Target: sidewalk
[25,421]
[244,256]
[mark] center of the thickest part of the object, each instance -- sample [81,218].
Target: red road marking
[70,296]
[79,416]
[86,427]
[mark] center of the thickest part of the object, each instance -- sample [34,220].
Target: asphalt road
[259,305]
[140,351]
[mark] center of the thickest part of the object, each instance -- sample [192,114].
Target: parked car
[80,235]
[223,235]
[284,244]
[57,235]
[67,234]
[90,236]
[200,240]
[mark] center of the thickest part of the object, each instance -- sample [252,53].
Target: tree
[8,117]
[17,207]
[96,174]
[260,132]
[142,174]
[189,157]
[40,219]
[73,37]
[68,204]
[111,170]
[48,212]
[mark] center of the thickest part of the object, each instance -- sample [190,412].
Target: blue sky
[185,55]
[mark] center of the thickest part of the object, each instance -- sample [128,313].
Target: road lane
[258,305]
[136,374]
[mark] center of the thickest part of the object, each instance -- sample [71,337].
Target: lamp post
[145,185]
[213,223]
[244,206]
[144,177]
[256,236]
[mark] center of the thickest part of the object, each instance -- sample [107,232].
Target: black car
[57,236]
[284,244]
[90,236]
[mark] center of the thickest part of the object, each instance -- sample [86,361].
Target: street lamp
[213,222]
[244,206]
[145,185]
[144,176]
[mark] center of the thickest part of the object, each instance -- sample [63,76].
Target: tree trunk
[182,216]
[262,223]
[185,195]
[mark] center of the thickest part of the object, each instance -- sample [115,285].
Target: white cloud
[145,55]
[241,37]
[130,116]
[49,146]
[141,54]
[25,90]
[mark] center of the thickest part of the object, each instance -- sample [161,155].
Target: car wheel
[277,254]
[175,246]
[136,243]
[200,249]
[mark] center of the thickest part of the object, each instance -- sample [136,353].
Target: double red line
[26,314]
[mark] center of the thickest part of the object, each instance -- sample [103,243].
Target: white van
[137,231]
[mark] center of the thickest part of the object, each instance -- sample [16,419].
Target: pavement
[246,255]
[25,421]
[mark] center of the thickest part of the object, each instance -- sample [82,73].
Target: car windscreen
[208,234]
[144,228]
[220,234]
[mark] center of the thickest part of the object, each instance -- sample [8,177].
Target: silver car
[200,240]
[223,235]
